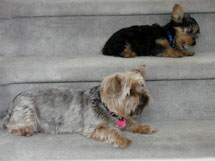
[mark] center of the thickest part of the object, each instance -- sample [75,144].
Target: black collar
[120,118]
[95,100]
[121,122]
[170,39]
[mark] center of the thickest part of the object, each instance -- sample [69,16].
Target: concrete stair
[55,43]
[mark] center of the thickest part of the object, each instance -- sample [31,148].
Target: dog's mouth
[144,102]
[137,112]
[185,46]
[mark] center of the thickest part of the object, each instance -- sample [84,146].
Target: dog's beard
[145,101]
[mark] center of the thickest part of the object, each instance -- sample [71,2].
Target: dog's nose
[144,98]
[194,43]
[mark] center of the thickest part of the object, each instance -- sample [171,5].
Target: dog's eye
[131,91]
[189,31]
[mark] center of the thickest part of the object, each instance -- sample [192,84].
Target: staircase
[57,43]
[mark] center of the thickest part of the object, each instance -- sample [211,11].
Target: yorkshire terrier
[170,40]
[98,113]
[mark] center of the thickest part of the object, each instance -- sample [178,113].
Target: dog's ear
[114,85]
[140,70]
[111,86]
[111,89]
[177,13]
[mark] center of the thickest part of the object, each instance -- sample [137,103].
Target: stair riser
[171,100]
[26,8]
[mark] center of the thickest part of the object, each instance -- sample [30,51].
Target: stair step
[95,68]
[82,36]
[171,100]
[176,139]
[38,8]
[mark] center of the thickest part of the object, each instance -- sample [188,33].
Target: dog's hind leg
[118,47]
[127,52]
[23,120]
[21,129]
[24,126]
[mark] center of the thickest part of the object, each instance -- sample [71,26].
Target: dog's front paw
[153,130]
[121,142]
[145,129]
[187,53]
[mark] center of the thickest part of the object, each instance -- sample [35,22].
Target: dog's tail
[6,117]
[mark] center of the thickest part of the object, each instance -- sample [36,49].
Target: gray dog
[96,113]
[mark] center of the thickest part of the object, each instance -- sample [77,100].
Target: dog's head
[186,28]
[125,93]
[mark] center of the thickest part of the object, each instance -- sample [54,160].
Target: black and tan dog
[170,40]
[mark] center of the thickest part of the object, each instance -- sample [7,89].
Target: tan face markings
[127,99]
[183,38]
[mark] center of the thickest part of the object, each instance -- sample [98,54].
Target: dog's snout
[145,91]
[144,98]
[194,43]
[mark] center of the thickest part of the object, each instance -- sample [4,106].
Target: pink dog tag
[121,123]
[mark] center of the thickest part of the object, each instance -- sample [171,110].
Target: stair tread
[181,139]
[26,8]
[95,68]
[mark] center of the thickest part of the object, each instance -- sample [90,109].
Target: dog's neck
[121,122]
[171,40]
[102,109]
[112,113]
[170,33]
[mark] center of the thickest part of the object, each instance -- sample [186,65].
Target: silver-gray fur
[57,110]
